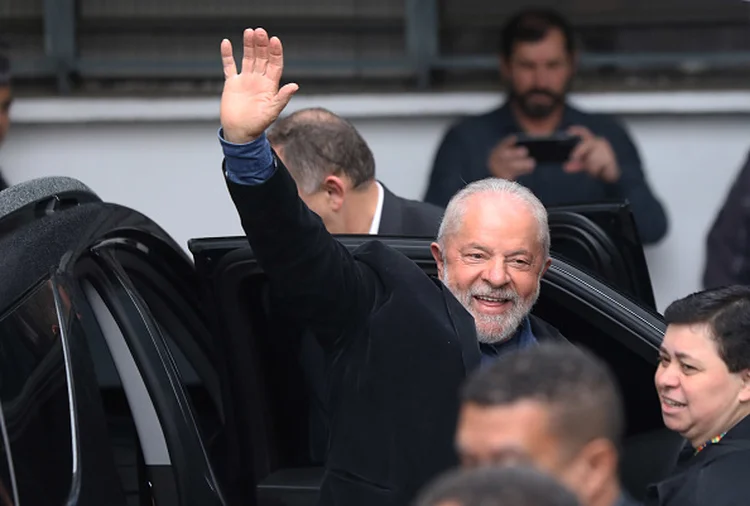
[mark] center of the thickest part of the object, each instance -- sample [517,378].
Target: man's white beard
[502,326]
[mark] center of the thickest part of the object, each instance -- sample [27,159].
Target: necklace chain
[711,441]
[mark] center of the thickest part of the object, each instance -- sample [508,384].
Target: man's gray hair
[457,206]
[316,143]
[496,486]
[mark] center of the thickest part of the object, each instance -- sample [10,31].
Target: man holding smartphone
[600,162]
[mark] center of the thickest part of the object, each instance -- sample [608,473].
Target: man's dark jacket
[399,345]
[408,218]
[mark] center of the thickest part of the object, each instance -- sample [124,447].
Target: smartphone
[555,148]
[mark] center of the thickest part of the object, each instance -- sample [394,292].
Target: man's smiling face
[493,263]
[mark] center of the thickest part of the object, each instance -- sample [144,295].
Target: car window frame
[194,478]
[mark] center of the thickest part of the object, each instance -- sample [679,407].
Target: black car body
[133,374]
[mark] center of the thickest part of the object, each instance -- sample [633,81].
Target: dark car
[133,374]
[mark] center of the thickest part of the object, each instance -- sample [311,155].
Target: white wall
[162,158]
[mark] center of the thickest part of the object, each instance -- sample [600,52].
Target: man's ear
[547,263]
[745,391]
[437,254]
[335,189]
[594,467]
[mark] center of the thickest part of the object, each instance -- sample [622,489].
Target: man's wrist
[248,163]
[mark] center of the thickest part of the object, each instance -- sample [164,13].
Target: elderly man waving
[399,342]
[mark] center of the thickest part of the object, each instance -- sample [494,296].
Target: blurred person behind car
[538,60]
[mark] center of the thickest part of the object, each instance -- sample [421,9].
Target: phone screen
[552,149]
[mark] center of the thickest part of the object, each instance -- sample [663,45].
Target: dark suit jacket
[399,346]
[410,218]
[717,476]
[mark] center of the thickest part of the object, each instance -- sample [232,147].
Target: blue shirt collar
[522,338]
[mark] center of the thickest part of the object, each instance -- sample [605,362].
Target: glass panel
[124,443]
[35,401]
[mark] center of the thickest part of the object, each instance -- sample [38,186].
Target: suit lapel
[391,217]
[466,332]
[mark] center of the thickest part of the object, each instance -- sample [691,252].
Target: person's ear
[437,254]
[335,189]
[595,466]
[744,395]
[547,263]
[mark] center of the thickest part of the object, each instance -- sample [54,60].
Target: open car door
[270,399]
[603,240]
[109,385]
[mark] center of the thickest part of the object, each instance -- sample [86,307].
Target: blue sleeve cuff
[248,164]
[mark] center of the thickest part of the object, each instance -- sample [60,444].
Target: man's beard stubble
[537,111]
[506,323]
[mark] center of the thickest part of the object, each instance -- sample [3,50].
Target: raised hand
[251,99]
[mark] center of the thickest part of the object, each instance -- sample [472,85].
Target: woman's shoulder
[723,480]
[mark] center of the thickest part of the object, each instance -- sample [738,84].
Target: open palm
[251,99]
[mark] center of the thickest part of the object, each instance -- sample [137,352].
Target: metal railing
[77,39]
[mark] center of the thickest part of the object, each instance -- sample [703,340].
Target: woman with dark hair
[703,382]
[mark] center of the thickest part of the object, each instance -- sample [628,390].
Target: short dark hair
[579,388]
[496,486]
[533,25]
[726,312]
[4,63]
[317,143]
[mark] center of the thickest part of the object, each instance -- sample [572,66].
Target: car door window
[135,433]
[131,322]
[35,400]
[175,307]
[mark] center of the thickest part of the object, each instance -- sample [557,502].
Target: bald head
[315,115]
[316,143]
